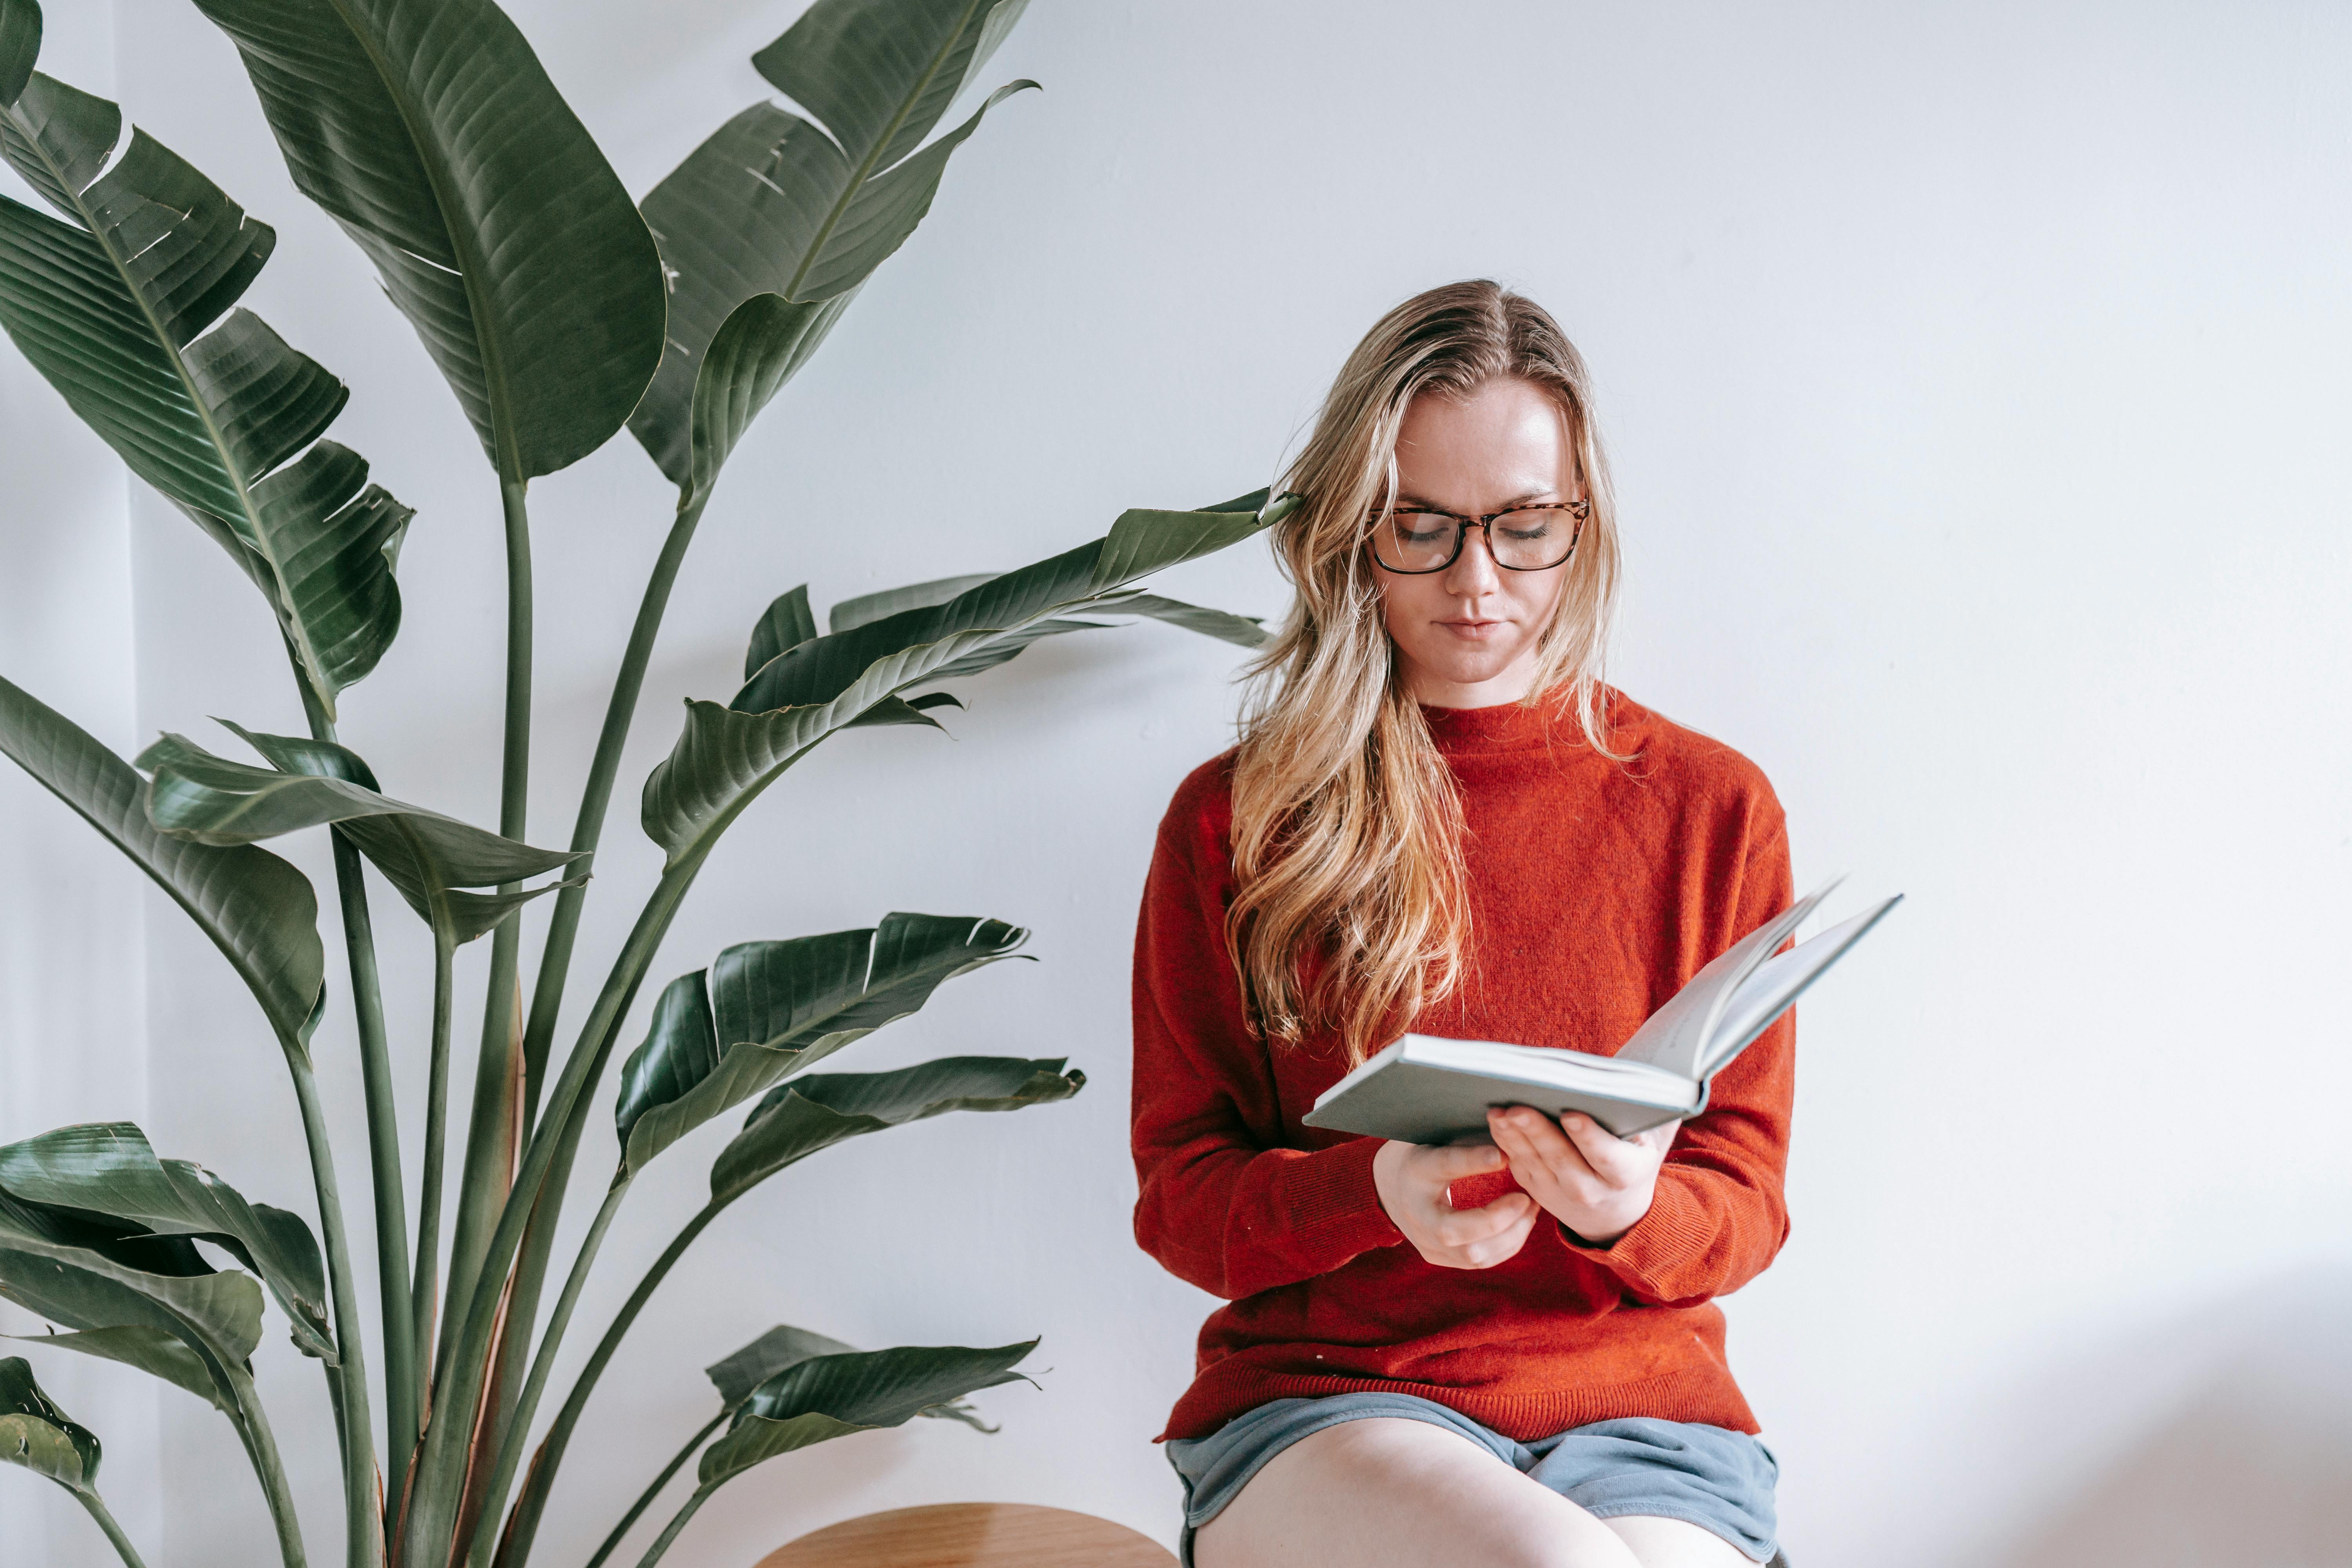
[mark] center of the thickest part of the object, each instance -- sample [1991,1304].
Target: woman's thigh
[1390,1490]
[1673,1543]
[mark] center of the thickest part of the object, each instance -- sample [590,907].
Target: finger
[1555,1189]
[1458,1228]
[1541,1139]
[1463,1227]
[1501,1248]
[1457,1159]
[1617,1161]
[1505,1126]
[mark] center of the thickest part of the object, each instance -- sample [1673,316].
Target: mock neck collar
[1550,722]
[1507,726]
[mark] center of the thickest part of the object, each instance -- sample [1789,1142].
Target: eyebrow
[1419,503]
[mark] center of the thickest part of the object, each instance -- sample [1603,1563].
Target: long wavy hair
[1351,913]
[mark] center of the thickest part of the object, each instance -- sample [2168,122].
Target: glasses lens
[1534,537]
[1414,541]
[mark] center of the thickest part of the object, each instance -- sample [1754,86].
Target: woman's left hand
[1585,1176]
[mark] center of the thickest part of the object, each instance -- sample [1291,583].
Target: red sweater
[1597,888]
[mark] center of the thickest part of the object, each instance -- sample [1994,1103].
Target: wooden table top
[973,1535]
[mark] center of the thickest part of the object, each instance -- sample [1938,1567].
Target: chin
[1474,671]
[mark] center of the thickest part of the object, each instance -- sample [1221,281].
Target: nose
[1473,572]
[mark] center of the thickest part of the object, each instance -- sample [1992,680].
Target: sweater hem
[1697,1397]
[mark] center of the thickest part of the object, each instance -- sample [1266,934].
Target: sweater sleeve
[1718,1217]
[1221,1202]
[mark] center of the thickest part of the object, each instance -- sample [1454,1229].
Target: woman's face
[1467,636]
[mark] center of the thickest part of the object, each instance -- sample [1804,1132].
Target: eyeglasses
[1535,538]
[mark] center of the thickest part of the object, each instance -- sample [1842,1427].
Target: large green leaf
[739,1375]
[767,1008]
[156,1351]
[20,46]
[867,608]
[208,799]
[1242,631]
[62,1270]
[257,909]
[736,1378]
[783,1346]
[107,1168]
[830,1397]
[120,308]
[728,755]
[36,1434]
[809,1115]
[429,130]
[785,623]
[183,1339]
[762,345]
[773,204]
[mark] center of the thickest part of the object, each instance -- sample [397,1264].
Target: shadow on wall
[2254,1469]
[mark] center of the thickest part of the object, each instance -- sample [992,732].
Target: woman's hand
[1411,1181]
[1585,1176]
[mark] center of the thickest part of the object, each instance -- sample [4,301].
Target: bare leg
[1674,1544]
[1388,1492]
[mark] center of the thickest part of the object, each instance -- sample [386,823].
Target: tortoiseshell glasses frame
[1405,540]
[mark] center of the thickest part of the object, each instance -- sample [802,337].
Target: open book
[1424,1089]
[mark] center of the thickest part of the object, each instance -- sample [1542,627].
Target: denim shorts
[1716,1479]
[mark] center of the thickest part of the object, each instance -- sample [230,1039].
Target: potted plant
[558,310]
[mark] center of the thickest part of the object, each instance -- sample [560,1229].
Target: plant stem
[91,1502]
[620,710]
[434,1504]
[261,1445]
[401,1373]
[486,1532]
[529,1279]
[534,1502]
[555,962]
[669,1532]
[363,1519]
[489,1147]
[645,1499]
[426,1289]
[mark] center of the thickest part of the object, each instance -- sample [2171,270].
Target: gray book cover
[1424,1089]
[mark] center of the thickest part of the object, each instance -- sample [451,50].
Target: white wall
[1973,375]
[72,952]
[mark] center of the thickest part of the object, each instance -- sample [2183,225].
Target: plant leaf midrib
[864,170]
[437,890]
[470,267]
[258,538]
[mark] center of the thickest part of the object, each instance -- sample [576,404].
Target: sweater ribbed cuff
[1675,1233]
[1332,1189]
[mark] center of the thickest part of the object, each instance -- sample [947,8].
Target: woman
[1438,815]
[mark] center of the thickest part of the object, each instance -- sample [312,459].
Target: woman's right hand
[1411,1179]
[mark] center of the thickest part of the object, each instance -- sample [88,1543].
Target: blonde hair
[1351,913]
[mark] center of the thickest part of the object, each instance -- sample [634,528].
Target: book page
[1674,1036]
[1773,987]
